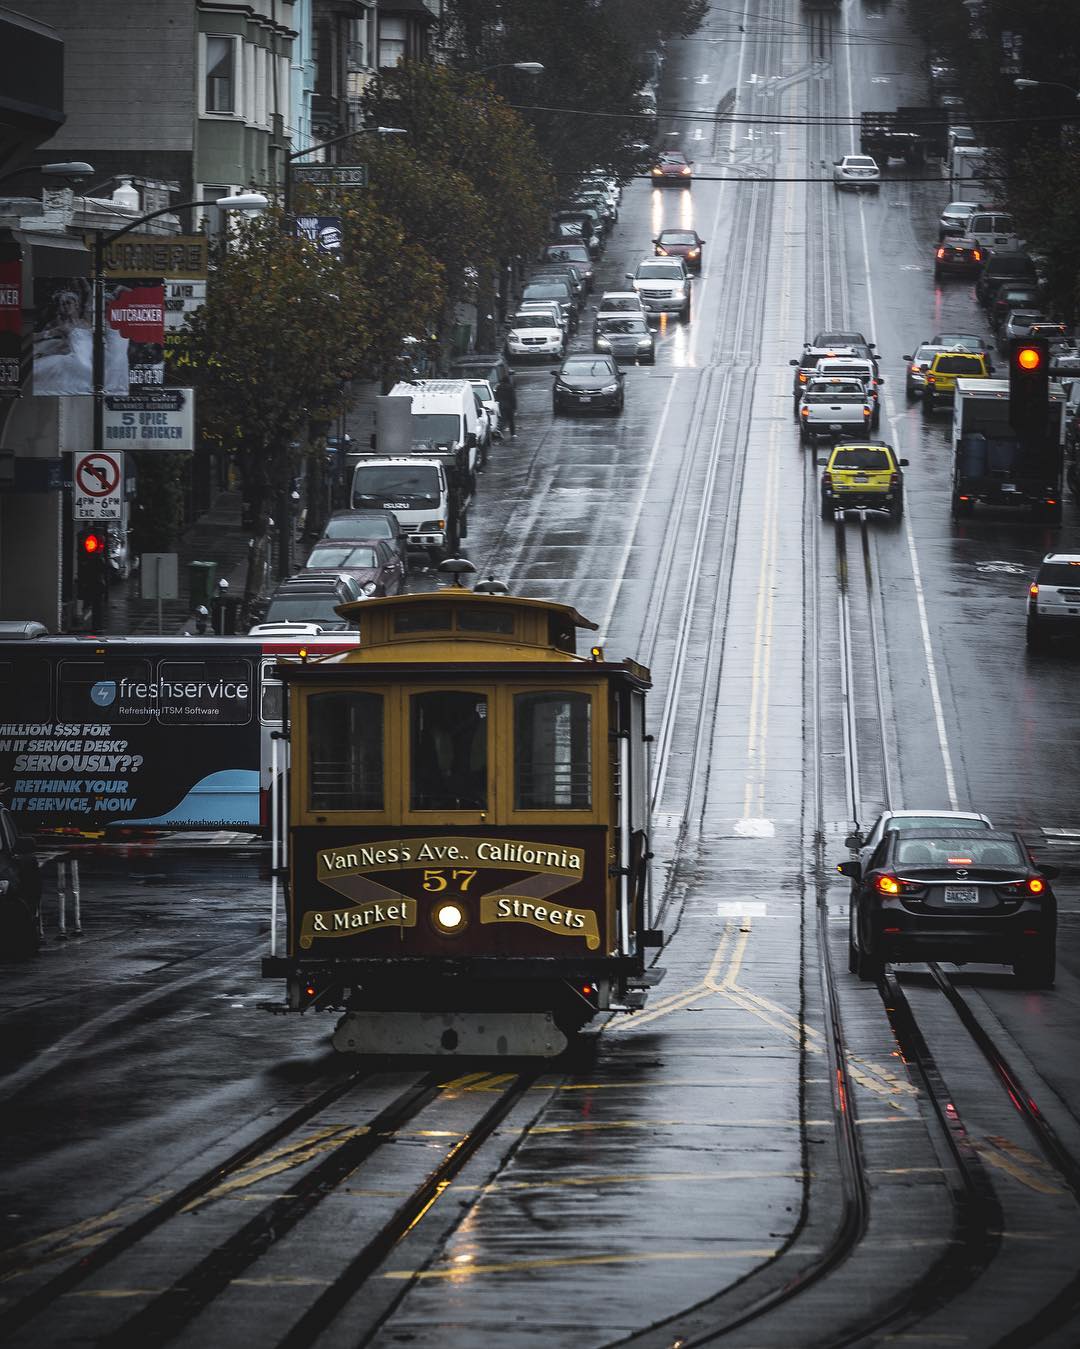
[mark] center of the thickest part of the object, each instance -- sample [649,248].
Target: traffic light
[93,562]
[1029,387]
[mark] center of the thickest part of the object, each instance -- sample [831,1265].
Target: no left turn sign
[97,489]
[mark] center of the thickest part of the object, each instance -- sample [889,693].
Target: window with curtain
[345,751]
[552,751]
[220,73]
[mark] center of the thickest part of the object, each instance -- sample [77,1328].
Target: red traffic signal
[92,543]
[1029,387]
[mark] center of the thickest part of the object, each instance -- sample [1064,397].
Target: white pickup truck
[832,408]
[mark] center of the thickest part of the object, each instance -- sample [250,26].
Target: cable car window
[416,618]
[272,700]
[552,751]
[345,751]
[561,633]
[448,736]
[477,618]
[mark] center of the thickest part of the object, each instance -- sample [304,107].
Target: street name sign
[331,175]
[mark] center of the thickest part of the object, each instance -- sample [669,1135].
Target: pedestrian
[507,401]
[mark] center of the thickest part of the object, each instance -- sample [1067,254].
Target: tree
[282,327]
[468,178]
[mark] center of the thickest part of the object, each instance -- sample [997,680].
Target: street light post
[1046,84]
[245,201]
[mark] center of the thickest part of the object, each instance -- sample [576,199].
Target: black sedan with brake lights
[952,894]
[588,383]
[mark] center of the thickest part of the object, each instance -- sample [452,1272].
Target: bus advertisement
[137,734]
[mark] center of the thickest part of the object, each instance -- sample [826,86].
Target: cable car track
[170,1309]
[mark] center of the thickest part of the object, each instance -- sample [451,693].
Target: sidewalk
[219,537]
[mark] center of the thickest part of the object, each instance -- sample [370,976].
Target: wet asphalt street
[726,1160]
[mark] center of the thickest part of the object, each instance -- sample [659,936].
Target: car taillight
[931,379]
[887,885]
[941,252]
[1033,590]
[976,255]
[826,478]
[894,479]
[804,412]
[803,376]
[867,410]
[1033,886]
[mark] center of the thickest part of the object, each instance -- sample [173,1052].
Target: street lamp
[249,202]
[321,145]
[75,168]
[1046,84]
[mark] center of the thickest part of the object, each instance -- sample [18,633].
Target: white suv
[664,286]
[1053,604]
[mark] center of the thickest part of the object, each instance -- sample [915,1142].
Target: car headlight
[645,342]
[603,343]
[369,587]
[610,388]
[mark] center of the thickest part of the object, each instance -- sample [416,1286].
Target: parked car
[1018,324]
[20,890]
[313,597]
[551,288]
[365,527]
[627,338]
[1016,269]
[565,250]
[375,566]
[685,244]
[588,383]
[857,171]
[1007,298]
[992,230]
[562,270]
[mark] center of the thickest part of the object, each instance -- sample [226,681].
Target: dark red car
[375,564]
[672,169]
[685,244]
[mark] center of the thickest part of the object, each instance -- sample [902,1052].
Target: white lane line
[920,597]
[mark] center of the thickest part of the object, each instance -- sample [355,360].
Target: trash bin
[201,576]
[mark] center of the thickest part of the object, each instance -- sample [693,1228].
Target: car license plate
[835,426]
[395,505]
[961,894]
[859,477]
[586,397]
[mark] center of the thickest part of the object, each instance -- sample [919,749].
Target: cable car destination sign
[452,867]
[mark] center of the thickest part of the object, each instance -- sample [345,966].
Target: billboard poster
[324,231]
[10,318]
[63,345]
[149,738]
[156,419]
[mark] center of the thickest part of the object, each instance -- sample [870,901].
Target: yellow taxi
[945,369]
[863,474]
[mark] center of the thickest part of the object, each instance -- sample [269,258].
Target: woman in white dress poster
[64,340]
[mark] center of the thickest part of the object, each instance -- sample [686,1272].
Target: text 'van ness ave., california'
[517,855]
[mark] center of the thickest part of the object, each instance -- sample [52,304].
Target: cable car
[463,829]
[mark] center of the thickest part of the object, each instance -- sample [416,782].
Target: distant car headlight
[610,388]
[645,341]
[603,344]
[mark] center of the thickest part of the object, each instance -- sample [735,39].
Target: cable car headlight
[449,918]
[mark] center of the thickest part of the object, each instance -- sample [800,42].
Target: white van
[993,230]
[444,414]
